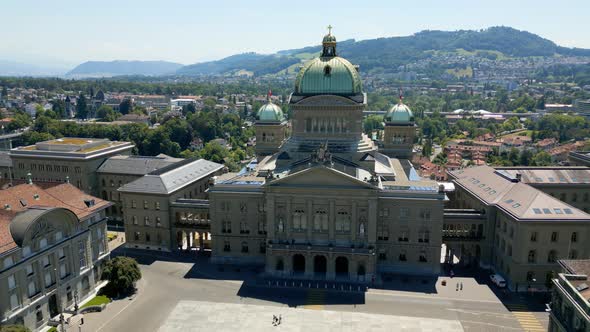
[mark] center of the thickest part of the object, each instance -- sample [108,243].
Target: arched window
[574,237]
[280,265]
[532,256]
[244,247]
[552,256]
[280,224]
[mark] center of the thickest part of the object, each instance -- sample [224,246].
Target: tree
[19,120]
[125,106]
[106,113]
[81,107]
[373,122]
[4,92]
[189,108]
[427,148]
[542,159]
[122,273]
[14,328]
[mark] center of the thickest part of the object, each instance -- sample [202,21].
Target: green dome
[328,75]
[399,113]
[270,112]
[329,38]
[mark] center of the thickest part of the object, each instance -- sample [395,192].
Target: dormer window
[327,70]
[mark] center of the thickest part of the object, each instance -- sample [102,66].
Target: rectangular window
[11,282]
[26,251]
[554,237]
[8,262]
[61,253]
[534,237]
[58,236]
[13,301]
[43,243]
[157,205]
[29,270]
[45,261]
[32,288]
[63,271]
[82,254]
[133,204]
[404,213]
[145,204]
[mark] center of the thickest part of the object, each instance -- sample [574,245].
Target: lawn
[97,300]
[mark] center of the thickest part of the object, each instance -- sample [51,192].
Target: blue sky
[68,32]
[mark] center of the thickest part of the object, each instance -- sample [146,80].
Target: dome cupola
[328,74]
[270,112]
[399,114]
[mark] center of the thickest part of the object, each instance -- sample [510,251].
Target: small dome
[270,112]
[399,113]
[329,38]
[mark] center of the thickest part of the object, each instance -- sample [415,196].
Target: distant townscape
[439,181]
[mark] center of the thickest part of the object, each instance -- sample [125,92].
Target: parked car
[498,280]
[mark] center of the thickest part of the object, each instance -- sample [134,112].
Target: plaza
[184,292]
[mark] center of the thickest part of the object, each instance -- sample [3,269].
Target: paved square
[220,317]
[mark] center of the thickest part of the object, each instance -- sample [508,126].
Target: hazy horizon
[66,33]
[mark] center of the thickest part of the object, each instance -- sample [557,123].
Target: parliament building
[323,200]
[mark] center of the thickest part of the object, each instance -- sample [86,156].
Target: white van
[498,280]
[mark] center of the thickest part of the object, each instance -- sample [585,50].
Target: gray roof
[173,177]
[516,198]
[136,165]
[550,175]
[5,160]
[19,226]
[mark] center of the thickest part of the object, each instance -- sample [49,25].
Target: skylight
[558,211]
[568,211]
[546,211]
[509,201]
[537,211]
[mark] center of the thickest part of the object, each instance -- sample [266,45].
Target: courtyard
[185,292]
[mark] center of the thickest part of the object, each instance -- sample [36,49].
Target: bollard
[333,286]
[325,286]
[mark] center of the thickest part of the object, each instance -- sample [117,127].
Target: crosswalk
[526,319]
[315,299]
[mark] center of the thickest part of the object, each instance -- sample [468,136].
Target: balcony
[462,236]
[194,223]
[321,248]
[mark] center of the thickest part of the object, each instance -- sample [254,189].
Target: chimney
[518,177]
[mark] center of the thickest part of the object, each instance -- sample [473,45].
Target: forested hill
[492,43]
[123,67]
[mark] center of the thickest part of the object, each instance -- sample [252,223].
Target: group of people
[276,321]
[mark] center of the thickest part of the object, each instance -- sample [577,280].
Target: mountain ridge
[123,67]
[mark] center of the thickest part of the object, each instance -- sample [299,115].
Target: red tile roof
[64,195]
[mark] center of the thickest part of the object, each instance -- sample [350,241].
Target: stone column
[372,224]
[331,217]
[270,217]
[354,222]
[287,263]
[331,268]
[308,265]
[352,268]
[309,212]
[288,219]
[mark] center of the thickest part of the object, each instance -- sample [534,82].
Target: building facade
[497,221]
[76,159]
[53,243]
[326,204]
[570,308]
[164,209]
[117,171]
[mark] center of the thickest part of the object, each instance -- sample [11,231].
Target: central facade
[324,203]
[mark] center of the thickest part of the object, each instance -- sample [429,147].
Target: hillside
[123,67]
[385,54]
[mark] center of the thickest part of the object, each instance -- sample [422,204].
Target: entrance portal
[298,263]
[342,266]
[53,310]
[320,265]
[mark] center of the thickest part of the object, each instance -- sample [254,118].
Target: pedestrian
[452,273]
[280,319]
[457,288]
[461,285]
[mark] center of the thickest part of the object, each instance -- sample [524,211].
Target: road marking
[527,320]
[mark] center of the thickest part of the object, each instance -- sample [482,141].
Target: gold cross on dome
[330,29]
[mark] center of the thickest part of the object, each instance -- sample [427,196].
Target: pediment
[320,177]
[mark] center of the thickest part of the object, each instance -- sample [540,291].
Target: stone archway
[320,265]
[360,272]
[280,266]
[298,263]
[341,266]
